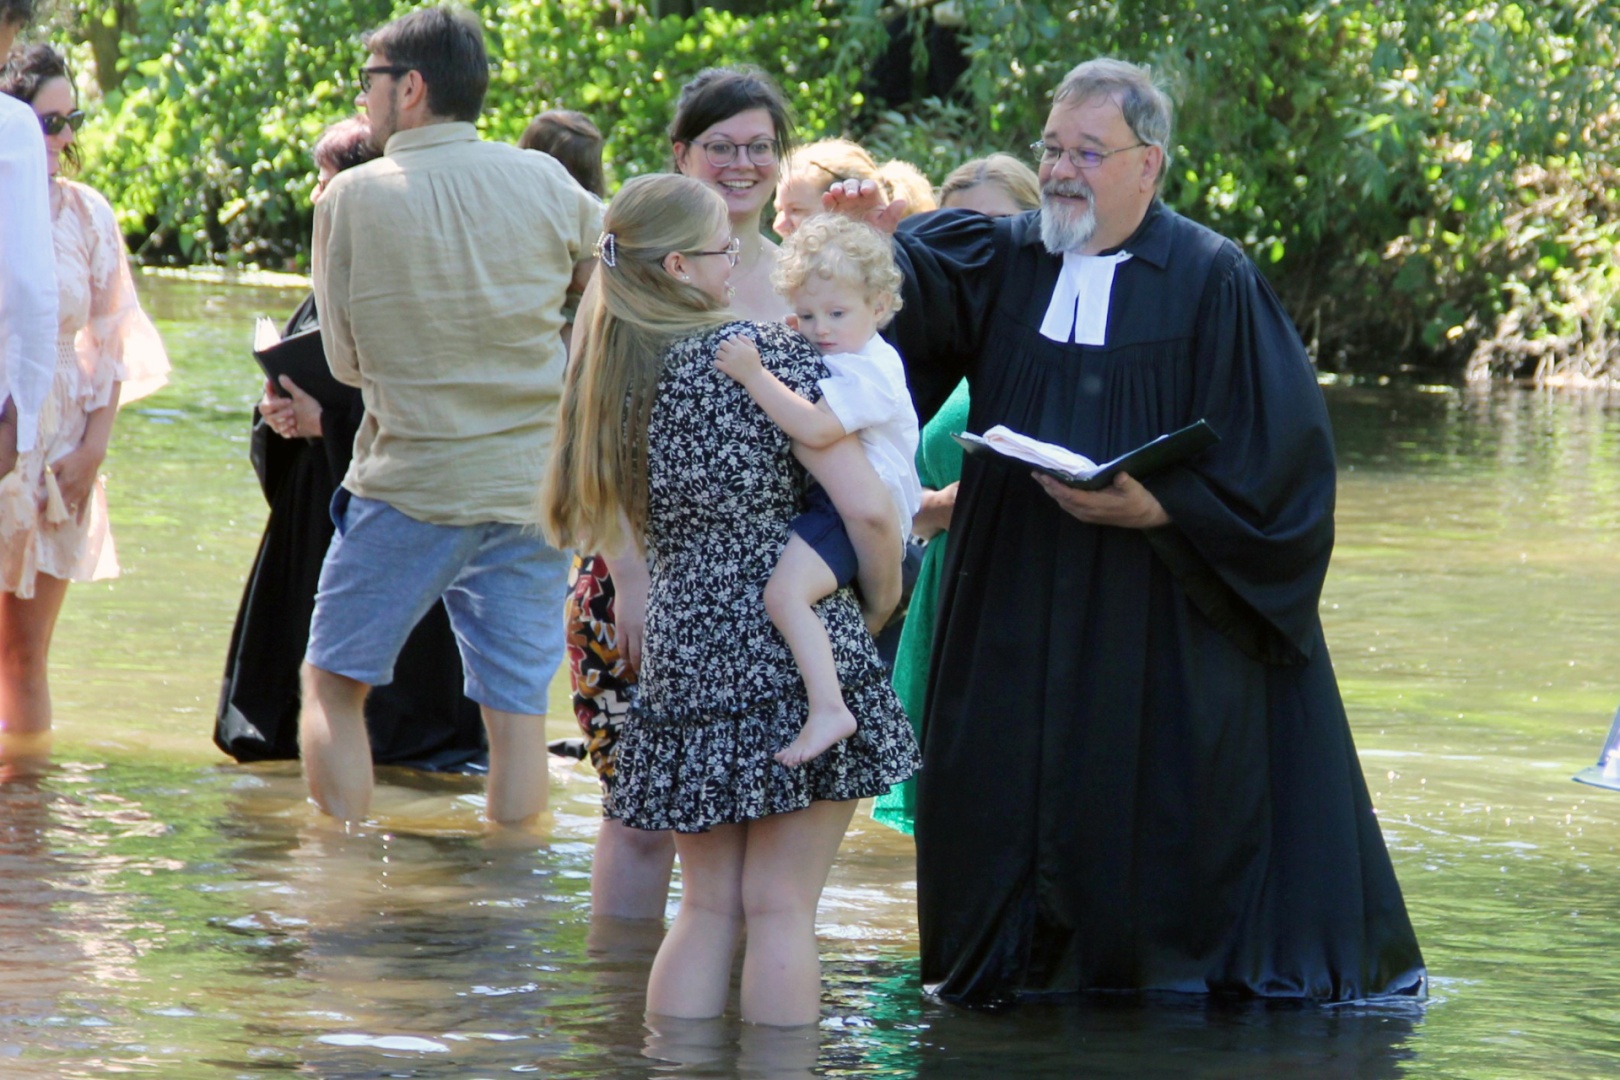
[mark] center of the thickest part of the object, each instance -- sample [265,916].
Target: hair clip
[607,249]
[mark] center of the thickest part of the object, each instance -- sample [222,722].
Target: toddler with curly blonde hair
[840,278]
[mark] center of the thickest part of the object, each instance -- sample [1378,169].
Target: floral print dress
[719,692]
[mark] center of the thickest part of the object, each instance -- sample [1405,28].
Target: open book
[300,358]
[1079,471]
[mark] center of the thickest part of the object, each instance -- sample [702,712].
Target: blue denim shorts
[822,528]
[502,584]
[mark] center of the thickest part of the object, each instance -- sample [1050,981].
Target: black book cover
[1145,460]
[301,358]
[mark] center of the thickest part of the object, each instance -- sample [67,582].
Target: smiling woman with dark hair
[53,508]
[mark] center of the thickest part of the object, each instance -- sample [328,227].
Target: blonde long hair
[596,481]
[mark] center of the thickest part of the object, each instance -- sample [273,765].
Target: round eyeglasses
[722,152]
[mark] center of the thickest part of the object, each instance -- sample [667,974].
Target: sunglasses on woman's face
[53,123]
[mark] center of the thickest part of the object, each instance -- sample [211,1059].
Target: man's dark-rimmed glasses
[366,73]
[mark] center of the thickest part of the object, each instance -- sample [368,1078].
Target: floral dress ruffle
[104,338]
[719,693]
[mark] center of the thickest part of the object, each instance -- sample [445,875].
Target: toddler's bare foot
[819,732]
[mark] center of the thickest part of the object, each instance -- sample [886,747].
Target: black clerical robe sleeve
[1257,509]
[946,259]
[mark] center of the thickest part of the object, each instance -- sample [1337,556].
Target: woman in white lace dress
[53,509]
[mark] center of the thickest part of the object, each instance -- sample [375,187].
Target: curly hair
[840,249]
[26,70]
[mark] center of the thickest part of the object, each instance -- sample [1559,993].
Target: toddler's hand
[738,358]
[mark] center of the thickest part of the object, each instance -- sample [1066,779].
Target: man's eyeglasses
[366,73]
[732,251]
[53,123]
[1081,159]
[722,152]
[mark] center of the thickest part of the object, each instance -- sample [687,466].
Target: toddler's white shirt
[867,392]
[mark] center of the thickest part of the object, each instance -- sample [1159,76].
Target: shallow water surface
[165,912]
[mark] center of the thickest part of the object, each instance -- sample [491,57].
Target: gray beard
[1064,231]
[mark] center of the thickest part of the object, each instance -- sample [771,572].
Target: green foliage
[204,145]
[1426,182]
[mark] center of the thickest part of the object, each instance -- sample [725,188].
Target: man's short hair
[445,46]
[17,13]
[1144,103]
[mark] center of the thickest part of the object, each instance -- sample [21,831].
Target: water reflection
[164,914]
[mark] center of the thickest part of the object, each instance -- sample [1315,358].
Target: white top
[27,269]
[1078,311]
[867,392]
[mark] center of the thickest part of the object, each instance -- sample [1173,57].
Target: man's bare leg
[516,793]
[333,742]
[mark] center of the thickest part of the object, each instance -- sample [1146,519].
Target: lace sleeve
[119,344]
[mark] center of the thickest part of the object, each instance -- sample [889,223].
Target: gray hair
[1144,103]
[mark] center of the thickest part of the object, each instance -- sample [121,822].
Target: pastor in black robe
[1138,774]
[422,719]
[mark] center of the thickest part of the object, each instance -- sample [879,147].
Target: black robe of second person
[422,719]
[1137,770]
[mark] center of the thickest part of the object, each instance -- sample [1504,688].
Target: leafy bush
[1427,182]
[203,142]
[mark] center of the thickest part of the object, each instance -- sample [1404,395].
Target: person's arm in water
[810,424]
[867,511]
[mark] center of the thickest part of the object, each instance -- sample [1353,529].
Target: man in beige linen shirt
[441,272]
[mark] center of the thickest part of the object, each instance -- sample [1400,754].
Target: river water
[165,912]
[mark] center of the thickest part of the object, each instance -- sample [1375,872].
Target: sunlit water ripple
[164,912]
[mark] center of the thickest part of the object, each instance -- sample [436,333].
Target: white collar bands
[1079,308]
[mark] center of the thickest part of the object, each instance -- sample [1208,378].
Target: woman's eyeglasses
[732,251]
[53,123]
[722,152]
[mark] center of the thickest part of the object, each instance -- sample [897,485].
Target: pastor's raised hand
[863,199]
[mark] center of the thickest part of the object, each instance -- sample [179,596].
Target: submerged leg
[784,871]
[333,742]
[691,975]
[26,627]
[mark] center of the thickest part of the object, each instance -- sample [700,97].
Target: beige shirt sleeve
[332,259]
